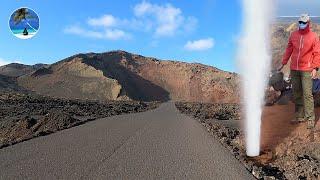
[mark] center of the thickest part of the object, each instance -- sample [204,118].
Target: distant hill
[290,20]
[9,74]
[119,75]
[16,69]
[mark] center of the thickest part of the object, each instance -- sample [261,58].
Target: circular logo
[24,23]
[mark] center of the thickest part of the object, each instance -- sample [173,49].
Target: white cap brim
[304,18]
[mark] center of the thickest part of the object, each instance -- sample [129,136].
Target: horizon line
[299,16]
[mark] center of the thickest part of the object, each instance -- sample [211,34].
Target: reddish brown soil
[276,126]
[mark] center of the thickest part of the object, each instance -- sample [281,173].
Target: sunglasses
[301,22]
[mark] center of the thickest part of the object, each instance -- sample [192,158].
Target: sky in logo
[32,19]
[204,31]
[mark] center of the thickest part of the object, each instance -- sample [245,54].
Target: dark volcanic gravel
[211,111]
[24,116]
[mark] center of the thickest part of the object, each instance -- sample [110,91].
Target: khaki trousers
[302,94]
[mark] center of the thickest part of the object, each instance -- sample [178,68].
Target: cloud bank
[161,20]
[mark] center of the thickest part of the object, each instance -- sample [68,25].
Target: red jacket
[304,50]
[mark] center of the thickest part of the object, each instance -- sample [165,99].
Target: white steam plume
[254,60]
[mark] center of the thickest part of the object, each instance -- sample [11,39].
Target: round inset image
[24,23]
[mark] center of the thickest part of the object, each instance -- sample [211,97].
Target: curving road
[158,144]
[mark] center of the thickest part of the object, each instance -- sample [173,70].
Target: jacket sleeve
[316,53]
[288,52]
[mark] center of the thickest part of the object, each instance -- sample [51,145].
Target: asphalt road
[158,144]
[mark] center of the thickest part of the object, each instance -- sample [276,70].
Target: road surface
[158,144]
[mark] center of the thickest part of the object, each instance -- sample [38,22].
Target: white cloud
[82,32]
[160,20]
[115,34]
[199,45]
[109,21]
[108,34]
[142,8]
[105,21]
[168,20]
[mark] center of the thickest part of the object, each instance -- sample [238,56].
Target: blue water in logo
[30,23]
[20,31]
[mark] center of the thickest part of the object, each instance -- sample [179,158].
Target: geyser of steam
[254,60]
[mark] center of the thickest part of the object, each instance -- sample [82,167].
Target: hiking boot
[310,124]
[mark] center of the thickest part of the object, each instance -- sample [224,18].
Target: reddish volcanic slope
[118,75]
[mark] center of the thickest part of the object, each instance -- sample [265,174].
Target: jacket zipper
[300,44]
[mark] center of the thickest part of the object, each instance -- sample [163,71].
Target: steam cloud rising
[254,60]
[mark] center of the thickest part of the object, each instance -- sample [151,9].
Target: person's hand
[314,74]
[281,67]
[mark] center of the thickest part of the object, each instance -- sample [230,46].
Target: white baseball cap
[304,18]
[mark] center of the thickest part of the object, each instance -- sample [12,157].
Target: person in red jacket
[303,48]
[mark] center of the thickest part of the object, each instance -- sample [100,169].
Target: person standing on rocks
[303,48]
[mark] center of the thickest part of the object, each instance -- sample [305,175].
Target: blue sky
[203,31]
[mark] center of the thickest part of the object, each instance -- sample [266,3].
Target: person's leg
[308,98]
[297,94]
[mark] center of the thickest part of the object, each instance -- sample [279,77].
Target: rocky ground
[288,151]
[25,116]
